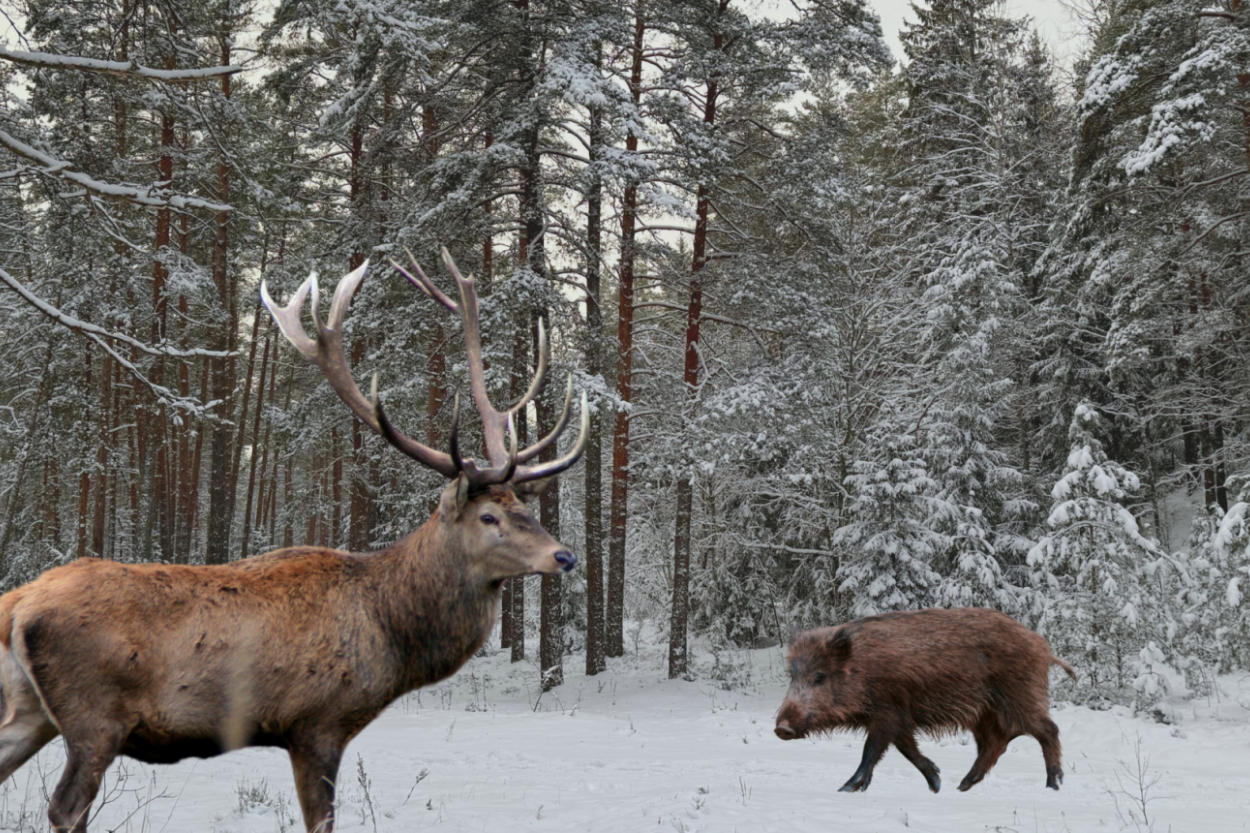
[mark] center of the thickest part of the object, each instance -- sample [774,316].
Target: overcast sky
[1050,18]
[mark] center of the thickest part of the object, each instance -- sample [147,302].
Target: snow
[49,60]
[631,751]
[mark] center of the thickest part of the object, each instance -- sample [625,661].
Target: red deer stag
[299,648]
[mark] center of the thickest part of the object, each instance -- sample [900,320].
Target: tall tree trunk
[240,440]
[359,521]
[531,255]
[251,476]
[678,659]
[551,611]
[593,456]
[99,513]
[164,494]
[513,618]
[15,493]
[619,511]
[188,483]
[436,363]
[221,499]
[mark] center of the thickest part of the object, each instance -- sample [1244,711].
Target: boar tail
[1054,660]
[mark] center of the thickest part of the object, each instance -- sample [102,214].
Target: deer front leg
[316,766]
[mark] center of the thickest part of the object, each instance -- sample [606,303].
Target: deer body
[299,648]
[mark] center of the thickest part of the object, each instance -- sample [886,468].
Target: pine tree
[1089,567]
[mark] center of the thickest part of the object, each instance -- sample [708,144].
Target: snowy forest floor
[629,750]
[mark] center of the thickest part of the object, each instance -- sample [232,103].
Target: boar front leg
[874,748]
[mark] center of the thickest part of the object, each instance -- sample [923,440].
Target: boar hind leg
[1047,734]
[991,743]
[874,748]
[907,745]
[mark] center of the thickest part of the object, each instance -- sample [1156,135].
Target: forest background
[857,335]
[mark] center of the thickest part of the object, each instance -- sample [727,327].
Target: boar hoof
[935,783]
[1054,778]
[856,784]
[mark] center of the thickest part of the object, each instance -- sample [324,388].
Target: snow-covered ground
[632,751]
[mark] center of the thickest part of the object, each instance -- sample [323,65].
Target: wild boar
[934,671]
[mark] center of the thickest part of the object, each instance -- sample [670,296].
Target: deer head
[481,501]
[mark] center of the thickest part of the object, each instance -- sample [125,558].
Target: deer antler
[494,421]
[506,462]
[326,351]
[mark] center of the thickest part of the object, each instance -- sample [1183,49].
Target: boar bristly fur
[933,671]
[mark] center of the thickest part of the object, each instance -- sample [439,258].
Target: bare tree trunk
[28,444]
[359,521]
[514,600]
[99,513]
[163,494]
[678,660]
[436,364]
[221,500]
[336,489]
[551,612]
[52,492]
[619,511]
[240,440]
[593,457]
[197,463]
[84,479]
[251,477]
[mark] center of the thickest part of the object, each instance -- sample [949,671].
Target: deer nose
[784,731]
[566,560]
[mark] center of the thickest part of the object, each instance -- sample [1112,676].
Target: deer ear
[454,498]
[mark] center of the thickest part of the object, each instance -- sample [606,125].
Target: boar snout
[566,560]
[784,731]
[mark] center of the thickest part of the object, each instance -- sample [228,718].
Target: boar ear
[839,647]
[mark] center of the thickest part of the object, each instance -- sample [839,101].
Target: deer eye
[489,519]
[818,679]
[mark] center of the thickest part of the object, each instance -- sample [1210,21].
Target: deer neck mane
[435,611]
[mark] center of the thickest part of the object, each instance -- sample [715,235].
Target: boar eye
[489,519]
[818,679]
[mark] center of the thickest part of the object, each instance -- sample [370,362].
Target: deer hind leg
[991,741]
[24,728]
[316,767]
[86,759]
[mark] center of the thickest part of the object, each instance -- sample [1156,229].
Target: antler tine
[287,318]
[493,420]
[326,351]
[526,473]
[538,447]
[540,373]
[420,281]
[421,453]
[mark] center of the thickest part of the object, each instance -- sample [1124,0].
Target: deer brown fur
[934,671]
[300,648]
